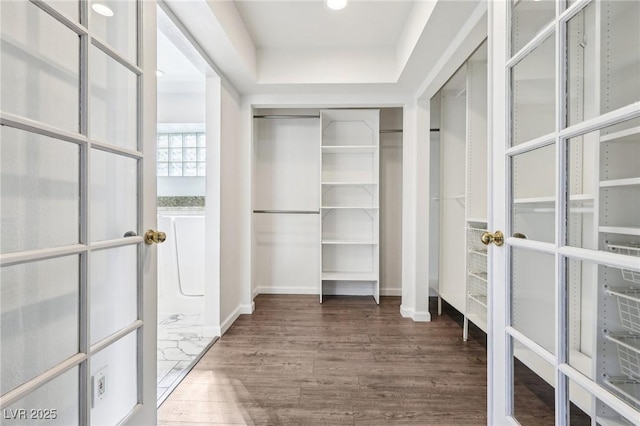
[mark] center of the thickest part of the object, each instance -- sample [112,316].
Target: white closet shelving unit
[463,190]
[349,202]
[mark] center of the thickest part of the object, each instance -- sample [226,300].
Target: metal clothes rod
[288,211]
[391,131]
[290,116]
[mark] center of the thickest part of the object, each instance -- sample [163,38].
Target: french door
[565,183]
[77,289]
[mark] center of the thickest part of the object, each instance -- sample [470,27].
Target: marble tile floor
[181,340]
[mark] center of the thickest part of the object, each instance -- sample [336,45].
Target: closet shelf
[479,275]
[350,242]
[628,353]
[625,387]
[349,183]
[479,252]
[608,421]
[348,276]
[348,149]
[628,306]
[622,136]
[620,182]
[478,319]
[350,207]
[480,299]
[578,198]
[626,230]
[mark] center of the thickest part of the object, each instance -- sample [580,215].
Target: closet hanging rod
[288,211]
[289,116]
[390,130]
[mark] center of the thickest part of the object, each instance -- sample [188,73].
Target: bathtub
[181,264]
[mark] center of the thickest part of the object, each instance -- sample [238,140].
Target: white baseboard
[390,292]
[241,309]
[255,293]
[286,290]
[420,316]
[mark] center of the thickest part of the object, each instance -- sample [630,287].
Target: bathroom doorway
[183,335]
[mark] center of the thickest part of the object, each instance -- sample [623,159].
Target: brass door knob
[152,236]
[496,238]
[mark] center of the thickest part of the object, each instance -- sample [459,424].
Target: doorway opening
[183,335]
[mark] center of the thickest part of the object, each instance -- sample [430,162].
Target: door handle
[496,238]
[152,236]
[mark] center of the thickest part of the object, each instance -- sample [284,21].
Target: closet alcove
[327,201]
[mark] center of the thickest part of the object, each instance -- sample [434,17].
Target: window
[181,154]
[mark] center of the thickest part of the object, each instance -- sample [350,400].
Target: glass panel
[189,154]
[202,169]
[40,59]
[190,140]
[54,403]
[581,66]
[114,291]
[118,363]
[40,191]
[533,387]
[70,8]
[190,169]
[163,169]
[528,17]
[113,101]
[619,60]
[533,99]
[620,54]
[582,288]
[533,298]
[163,141]
[607,416]
[114,21]
[617,182]
[534,194]
[202,154]
[40,324]
[201,140]
[175,141]
[163,154]
[579,405]
[175,169]
[175,154]
[114,195]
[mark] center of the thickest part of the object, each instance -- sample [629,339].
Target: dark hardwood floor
[347,361]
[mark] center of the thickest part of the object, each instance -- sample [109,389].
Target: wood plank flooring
[347,361]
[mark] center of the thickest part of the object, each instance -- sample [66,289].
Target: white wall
[235,214]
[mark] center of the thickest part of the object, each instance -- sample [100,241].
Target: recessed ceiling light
[159,73]
[102,9]
[336,4]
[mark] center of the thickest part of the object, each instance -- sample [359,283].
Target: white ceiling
[312,25]
[301,46]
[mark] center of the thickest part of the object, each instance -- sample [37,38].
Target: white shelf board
[349,149]
[608,421]
[349,183]
[479,252]
[349,276]
[480,299]
[620,182]
[552,199]
[476,220]
[620,230]
[350,242]
[482,276]
[350,208]
[622,136]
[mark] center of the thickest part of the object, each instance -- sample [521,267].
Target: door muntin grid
[83,249]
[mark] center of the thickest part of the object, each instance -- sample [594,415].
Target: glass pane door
[571,153]
[71,185]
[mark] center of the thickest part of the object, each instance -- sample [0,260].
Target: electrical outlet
[99,385]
